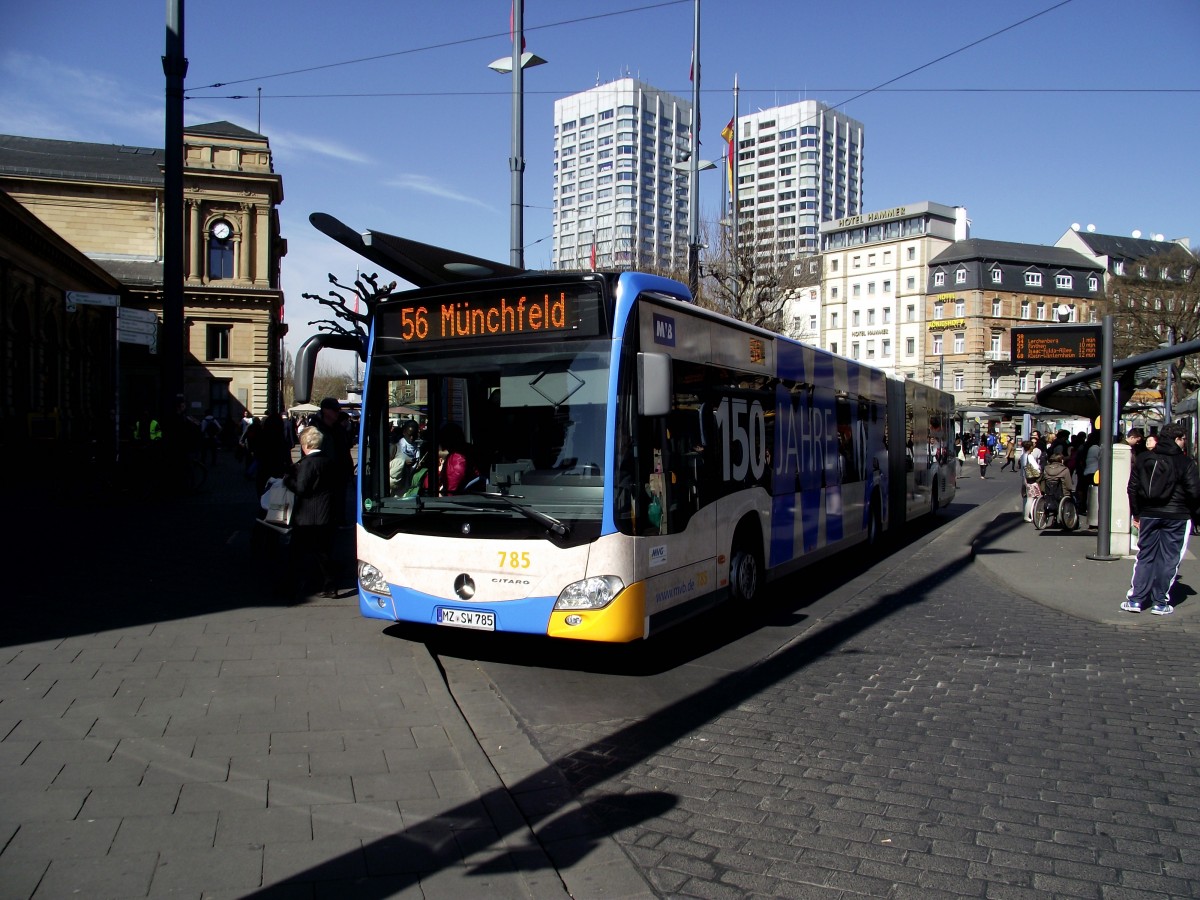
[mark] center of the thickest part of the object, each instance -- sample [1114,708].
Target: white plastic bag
[278,502]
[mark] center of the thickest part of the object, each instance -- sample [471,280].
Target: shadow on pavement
[99,567]
[605,759]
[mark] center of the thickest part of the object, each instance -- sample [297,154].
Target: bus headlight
[591,593]
[372,579]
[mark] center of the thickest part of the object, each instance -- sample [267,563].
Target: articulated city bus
[632,459]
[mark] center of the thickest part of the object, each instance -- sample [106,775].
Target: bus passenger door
[678,455]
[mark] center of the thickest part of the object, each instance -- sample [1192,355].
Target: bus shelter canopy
[1079,394]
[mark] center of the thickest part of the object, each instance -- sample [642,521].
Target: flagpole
[694,166]
[733,189]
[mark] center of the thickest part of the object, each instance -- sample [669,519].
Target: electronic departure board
[1059,345]
[513,313]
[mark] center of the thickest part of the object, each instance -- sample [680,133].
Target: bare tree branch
[1154,297]
[366,292]
[759,285]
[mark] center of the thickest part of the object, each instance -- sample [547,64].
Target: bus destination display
[1066,345]
[466,317]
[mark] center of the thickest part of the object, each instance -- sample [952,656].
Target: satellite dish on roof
[1091,227]
[1158,237]
[1074,226]
[1137,232]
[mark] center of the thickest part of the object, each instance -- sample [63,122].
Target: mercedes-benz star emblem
[464,586]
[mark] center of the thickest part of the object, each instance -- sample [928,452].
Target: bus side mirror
[654,384]
[306,359]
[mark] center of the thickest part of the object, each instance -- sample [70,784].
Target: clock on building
[221,230]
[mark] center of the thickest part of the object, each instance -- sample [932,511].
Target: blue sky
[1088,113]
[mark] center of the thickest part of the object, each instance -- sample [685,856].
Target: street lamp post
[517,63]
[693,167]
[175,66]
[694,159]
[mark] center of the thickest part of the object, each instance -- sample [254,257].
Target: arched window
[220,250]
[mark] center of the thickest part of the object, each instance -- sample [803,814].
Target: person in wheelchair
[1055,483]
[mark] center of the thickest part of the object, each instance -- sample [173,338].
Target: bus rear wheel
[745,569]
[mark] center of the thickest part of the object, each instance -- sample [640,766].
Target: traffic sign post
[138,326]
[75,299]
[125,314]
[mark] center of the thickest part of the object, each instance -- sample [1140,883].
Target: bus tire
[745,566]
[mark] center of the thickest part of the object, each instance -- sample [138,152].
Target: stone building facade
[977,290]
[107,201]
[57,364]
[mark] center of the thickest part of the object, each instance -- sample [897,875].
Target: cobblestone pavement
[935,737]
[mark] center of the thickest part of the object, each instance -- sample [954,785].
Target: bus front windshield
[487,442]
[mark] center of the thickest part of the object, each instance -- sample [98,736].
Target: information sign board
[1057,345]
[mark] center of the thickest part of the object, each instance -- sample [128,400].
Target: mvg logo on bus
[664,330]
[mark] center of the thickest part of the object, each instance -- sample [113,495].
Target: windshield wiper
[548,522]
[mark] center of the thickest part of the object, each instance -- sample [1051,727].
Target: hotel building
[874,282]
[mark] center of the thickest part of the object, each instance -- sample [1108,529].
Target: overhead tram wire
[441,46]
[824,90]
[859,92]
[961,49]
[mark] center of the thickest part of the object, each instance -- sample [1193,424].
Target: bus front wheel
[745,569]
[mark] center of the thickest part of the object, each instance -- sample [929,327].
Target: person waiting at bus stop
[334,426]
[1056,478]
[320,493]
[1164,492]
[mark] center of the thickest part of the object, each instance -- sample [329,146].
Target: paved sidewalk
[1052,567]
[169,727]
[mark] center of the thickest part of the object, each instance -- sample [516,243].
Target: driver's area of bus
[508,434]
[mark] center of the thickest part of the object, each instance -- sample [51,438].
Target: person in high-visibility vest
[147,428]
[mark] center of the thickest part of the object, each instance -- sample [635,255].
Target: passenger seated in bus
[456,472]
[404,459]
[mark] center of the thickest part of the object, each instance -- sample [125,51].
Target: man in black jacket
[320,492]
[334,425]
[1164,489]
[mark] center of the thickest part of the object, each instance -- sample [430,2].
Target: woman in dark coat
[318,486]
